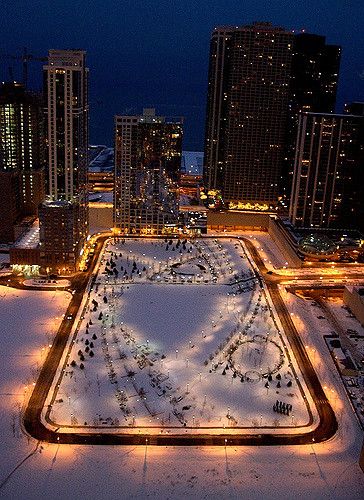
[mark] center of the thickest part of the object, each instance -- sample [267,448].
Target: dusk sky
[144,53]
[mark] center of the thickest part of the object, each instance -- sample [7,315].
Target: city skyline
[179,324]
[172,50]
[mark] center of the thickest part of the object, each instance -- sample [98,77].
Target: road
[35,427]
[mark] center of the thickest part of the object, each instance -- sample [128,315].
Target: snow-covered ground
[268,250]
[30,470]
[351,350]
[327,470]
[178,336]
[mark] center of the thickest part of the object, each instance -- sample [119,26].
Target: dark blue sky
[144,53]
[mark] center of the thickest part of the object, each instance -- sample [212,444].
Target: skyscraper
[328,181]
[315,71]
[247,110]
[21,156]
[66,89]
[147,161]
[313,86]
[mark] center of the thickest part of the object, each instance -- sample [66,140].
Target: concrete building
[60,248]
[312,88]
[354,299]
[147,164]
[10,205]
[247,105]
[22,157]
[66,88]
[328,182]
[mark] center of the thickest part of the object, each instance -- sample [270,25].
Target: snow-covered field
[178,336]
[30,470]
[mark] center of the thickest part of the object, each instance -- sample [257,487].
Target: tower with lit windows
[21,157]
[313,87]
[148,152]
[247,106]
[328,180]
[64,215]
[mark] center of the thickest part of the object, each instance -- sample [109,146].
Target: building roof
[30,239]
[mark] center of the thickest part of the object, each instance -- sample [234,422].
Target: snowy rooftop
[30,239]
[56,203]
[102,159]
[192,162]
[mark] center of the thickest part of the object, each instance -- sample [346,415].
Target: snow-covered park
[30,469]
[178,335]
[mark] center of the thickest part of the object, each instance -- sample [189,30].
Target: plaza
[178,336]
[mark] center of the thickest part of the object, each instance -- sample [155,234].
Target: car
[70,316]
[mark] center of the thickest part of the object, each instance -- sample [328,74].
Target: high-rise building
[313,86]
[21,156]
[328,181]
[147,161]
[248,92]
[66,89]
[315,71]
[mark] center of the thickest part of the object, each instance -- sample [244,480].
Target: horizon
[175,37]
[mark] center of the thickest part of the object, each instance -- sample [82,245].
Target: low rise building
[354,300]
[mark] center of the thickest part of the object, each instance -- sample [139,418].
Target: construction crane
[25,58]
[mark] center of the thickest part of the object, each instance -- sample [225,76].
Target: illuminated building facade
[248,92]
[313,87]
[21,157]
[66,89]
[328,180]
[147,162]
[59,235]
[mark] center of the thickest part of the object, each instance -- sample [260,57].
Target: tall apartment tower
[328,181]
[247,104]
[148,152]
[64,216]
[313,87]
[21,157]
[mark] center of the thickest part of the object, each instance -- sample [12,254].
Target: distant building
[247,104]
[101,169]
[22,158]
[312,88]
[66,88]
[10,205]
[192,163]
[328,181]
[24,254]
[191,181]
[147,166]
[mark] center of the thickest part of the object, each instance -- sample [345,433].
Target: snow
[45,283]
[29,469]
[160,353]
[4,257]
[267,249]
